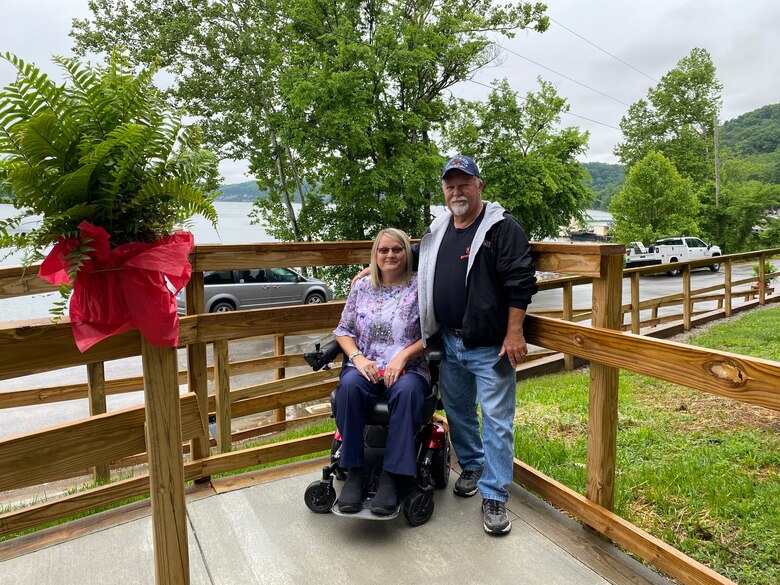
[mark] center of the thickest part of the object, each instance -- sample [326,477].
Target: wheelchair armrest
[322,356]
[435,349]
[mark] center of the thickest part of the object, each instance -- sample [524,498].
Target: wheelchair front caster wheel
[319,497]
[418,508]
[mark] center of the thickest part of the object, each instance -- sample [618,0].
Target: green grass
[699,472]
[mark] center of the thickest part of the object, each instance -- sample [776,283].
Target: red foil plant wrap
[123,288]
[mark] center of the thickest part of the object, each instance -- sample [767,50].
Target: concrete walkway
[264,534]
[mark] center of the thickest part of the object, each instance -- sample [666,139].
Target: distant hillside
[756,132]
[607,180]
[247,191]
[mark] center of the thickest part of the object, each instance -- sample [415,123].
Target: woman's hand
[395,368]
[368,368]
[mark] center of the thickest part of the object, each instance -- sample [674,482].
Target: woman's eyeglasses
[385,251]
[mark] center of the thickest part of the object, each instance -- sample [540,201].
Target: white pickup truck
[670,250]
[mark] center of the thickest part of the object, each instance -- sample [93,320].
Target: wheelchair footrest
[365,513]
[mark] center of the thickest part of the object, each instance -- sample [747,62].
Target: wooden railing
[170,418]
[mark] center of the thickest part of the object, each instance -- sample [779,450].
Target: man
[476,279]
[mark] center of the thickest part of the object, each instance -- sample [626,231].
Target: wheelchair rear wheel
[418,507]
[319,497]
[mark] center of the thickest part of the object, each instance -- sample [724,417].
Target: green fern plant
[105,147]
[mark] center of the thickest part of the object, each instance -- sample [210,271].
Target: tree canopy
[677,119]
[528,165]
[345,97]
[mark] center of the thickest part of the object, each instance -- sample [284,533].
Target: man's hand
[358,276]
[514,343]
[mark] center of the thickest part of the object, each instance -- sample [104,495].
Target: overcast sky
[743,39]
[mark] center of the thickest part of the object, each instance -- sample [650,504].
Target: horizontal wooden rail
[53,394]
[743,378]
[47,455]
[649,548]
[580,259]
[49,346]
[113,493]
[288,383]
[17,281]
[279,399]
[272,321]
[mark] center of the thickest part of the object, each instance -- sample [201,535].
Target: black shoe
[494,517]
[466,486]
[385,501]
[351,496]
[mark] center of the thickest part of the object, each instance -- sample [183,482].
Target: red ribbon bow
[124,288]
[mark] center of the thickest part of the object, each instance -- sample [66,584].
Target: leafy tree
[528,165]
[741,219]
[342,96]
[677,119]
[742,214]
[655,202]
[225,58]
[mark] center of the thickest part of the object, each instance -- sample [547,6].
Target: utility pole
[717,159]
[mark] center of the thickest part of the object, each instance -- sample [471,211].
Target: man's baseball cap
[461,162]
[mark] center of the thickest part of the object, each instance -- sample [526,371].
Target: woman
[379,332]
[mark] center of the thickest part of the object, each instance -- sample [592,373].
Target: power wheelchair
[431,440]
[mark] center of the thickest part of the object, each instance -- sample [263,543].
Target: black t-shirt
[449,282]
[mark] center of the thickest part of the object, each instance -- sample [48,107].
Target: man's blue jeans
[467,377]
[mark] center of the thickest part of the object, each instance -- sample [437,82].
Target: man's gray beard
[459,209]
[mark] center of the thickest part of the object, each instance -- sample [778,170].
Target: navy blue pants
[356,396]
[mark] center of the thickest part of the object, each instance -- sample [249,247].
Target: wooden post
[727,287]
[603,404]
[568,315]
[654,314]
[635,315]
[96,389]
[166,471]
[281,413]
[222,394]
[197,369]
[687,304]
[761,279]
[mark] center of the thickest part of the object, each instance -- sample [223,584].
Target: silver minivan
[233,290]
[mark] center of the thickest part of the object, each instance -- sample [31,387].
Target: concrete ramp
[264,534]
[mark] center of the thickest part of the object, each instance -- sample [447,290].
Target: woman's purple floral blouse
[383,321]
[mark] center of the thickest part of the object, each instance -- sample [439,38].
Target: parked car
[233,290]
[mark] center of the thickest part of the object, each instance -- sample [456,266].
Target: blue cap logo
[461,162]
